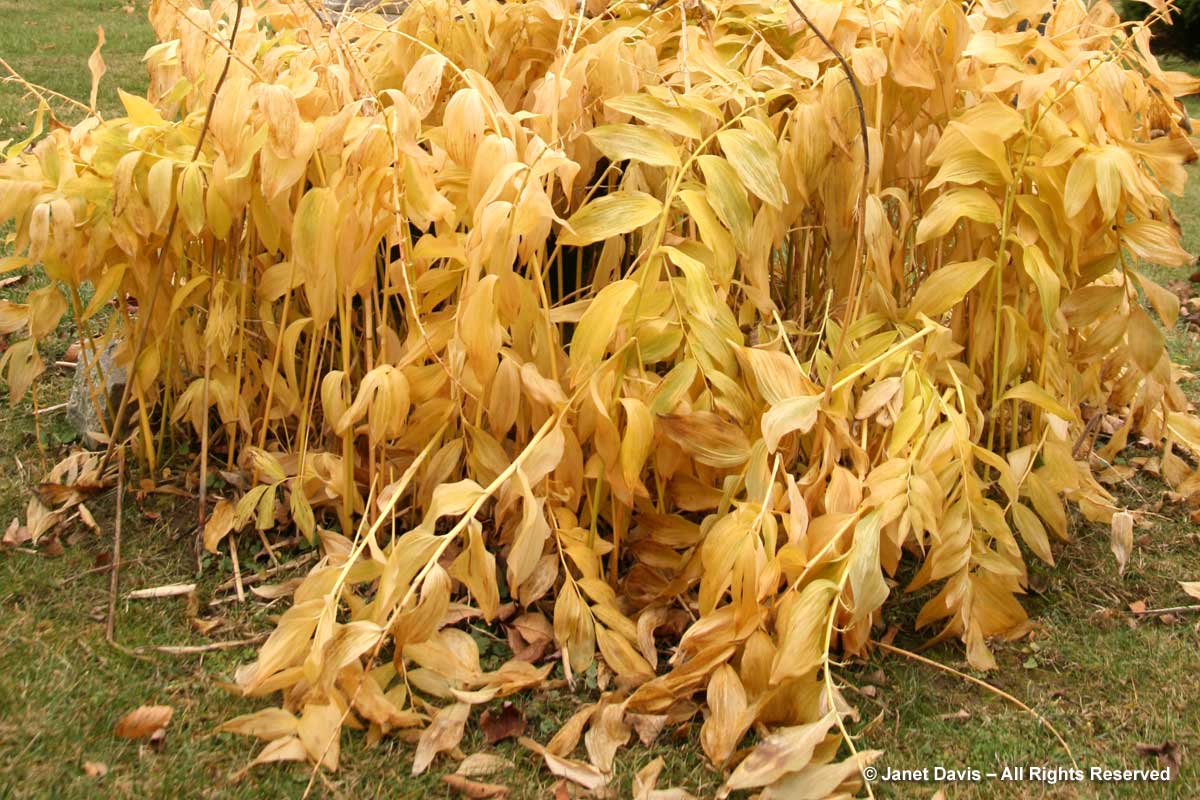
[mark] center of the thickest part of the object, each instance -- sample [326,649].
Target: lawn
[1118,688]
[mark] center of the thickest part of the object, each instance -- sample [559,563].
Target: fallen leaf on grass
[1138,606]
[647,726]
[52,547]
[268,724]
[507,723]
[95,769]
[585,775]
[568,735]
[478,765]
[144,721]
[475,789]
[1191,588]
[85,516]
[646,778]
[444,733]
[1121,538]
[1167,754]
[608,733]
[529,636]
[17,534]
[784,751]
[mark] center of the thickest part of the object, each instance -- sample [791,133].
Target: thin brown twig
[16,77]
[114,580]
[266,573]
[860,235]
[1150,612]
[993,689]
[195,649]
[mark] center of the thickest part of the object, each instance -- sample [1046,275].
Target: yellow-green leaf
[611,215]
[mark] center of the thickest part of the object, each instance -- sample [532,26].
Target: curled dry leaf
[578,772]
[1167,754]
[144,721]
[480,765]
[474,789]
[1121,538]
[647,726]
[607,734]
[444,733]
[95,769]
[505,723]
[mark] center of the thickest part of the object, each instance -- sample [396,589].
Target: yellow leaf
[729,715]
[611,215]
[476,568]
[1045,279]
[1031,392]
[1033,532]
[319,731]
[139,110]
[1156,242]
[158,189]
[574,629]
[217,527]
[1164,301]
[46,308]
[793,414]
[313,250]
[268,724]
[191,198]
[597,326]
[652,111]
[707,437]
[1147,345]
[800,628]
[784,751]
[757,166]
[728,198]
[635,143]
[949,208]
[96,66]
[946,287]
[866,575]
[1121,538]
[106,288]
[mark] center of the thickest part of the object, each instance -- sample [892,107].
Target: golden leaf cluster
[606,322]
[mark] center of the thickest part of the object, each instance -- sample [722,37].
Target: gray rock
[108,380]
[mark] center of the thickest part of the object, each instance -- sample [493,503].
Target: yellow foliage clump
[665,334]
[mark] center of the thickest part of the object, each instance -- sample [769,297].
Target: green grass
[1107,684]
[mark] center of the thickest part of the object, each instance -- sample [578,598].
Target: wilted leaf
[507,723]
[1121,538]
[445,731]
[474,789]
[144,721]
[609,216]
